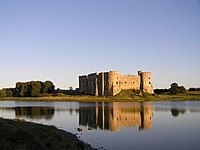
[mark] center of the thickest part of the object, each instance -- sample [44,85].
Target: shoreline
[85,98]
[19,134]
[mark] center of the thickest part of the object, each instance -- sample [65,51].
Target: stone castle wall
[111,83]
[146,83]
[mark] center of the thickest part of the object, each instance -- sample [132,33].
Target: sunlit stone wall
[111,83]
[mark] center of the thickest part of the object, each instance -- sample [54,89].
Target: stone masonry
[111,83]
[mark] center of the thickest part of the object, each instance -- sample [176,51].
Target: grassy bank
[20,135]
[127,95]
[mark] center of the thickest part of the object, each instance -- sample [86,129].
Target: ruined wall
[101,84]
[130,82]
[111,83]
[83,84]
[118,82]
[92,88]
[146,84]
[106,84]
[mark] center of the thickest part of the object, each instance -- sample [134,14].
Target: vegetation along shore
[45,91]
[125,96]
[17,135]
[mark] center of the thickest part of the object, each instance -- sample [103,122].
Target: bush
[3,93]
[175,89]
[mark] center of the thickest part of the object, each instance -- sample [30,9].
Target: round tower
[146,82]
[113,82]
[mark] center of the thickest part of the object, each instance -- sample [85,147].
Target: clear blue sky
[59,40]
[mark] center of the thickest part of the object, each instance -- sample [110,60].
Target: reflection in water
[175,111]
[184,130]
[35,112]
[116,116]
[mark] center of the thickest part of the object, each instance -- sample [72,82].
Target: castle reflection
[35,112]
[116,115]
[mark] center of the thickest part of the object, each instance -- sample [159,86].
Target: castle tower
[146,83]
[113,83]
[83,84]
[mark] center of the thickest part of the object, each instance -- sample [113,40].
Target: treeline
[173,90]
[71,91]
[162,91]
[194,89]
[29,89]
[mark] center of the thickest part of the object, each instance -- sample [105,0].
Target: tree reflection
[175,111]
[35,112]
[117,115]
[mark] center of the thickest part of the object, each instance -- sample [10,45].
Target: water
[118,125]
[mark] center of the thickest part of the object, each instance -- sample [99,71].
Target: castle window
[149,82]
[149,77]
[125,81]
[116,82]
[133,82]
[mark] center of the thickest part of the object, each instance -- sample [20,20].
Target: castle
[111,83]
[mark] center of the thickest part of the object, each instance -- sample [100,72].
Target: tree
[9,92]
[70,88]
[35,88]
[3,93]
[174,89]
[18,89]
[48,87]
[182,89]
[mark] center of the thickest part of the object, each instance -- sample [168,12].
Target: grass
[126,95]
[21,135]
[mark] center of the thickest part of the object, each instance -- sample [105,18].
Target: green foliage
[175,89]
[133,94]
[7,92]
[125,94]
[182,89]
[70,88]
[59,94]
[48,87]
[194,89]
[3,93]
[33,88]
[146,95]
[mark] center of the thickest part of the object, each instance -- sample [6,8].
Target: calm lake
[118,125]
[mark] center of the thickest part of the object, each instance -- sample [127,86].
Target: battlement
[111,83]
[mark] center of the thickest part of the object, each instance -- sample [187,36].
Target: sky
[59,40]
